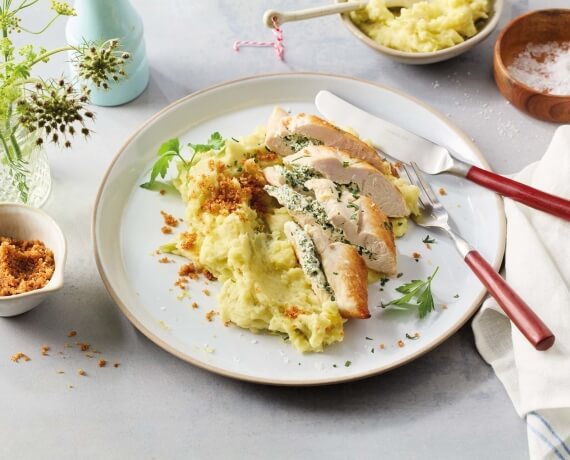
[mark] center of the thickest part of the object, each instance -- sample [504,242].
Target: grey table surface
[446,405]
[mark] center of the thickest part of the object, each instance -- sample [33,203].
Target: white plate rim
[302,382]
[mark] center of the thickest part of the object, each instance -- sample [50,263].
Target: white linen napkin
[537,265]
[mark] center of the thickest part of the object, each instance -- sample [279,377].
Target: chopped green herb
[335,273]
[416,336]
[418,290]
[158,186]
[235,140]
[372,350]
[334,365]
[399,275]
[456,296]
[347,363]
[428,240]
[345,164]
[368,338]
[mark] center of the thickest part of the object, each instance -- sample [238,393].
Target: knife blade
[405,146]
[387,137]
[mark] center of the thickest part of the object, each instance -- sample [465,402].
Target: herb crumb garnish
[399,275]
[428,240]
[368,338]
[401,343]
[416,336]
[456,296]
[334,365]
[347,363]
[372,350]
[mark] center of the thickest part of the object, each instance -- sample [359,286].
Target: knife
[433,158]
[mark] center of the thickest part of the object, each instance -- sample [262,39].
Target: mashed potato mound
[425,27]
[235,232]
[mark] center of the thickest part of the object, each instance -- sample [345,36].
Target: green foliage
[419,290]
[52,109]
[171,149]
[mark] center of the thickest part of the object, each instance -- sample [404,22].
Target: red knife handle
[530,325]
[522,193]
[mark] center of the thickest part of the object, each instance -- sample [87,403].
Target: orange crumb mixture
[25,265]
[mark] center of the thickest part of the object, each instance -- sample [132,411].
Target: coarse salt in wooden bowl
[536,27]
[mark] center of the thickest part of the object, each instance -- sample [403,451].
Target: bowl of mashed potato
[428,31]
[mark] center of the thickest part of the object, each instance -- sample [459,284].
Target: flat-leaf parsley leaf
[416,289]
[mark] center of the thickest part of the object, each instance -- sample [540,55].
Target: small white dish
[23,222]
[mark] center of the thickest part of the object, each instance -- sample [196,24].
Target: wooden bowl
[537,27]
[485,29]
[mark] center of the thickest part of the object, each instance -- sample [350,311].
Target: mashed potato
[236,234]
[426,26]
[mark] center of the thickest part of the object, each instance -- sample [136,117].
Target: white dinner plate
[127,222]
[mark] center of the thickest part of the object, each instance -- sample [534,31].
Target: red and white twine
[277,44]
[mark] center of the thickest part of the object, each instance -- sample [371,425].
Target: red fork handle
[522,193]
[530,325]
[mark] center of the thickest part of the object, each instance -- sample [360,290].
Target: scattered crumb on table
[16,357]
[102,363]
[442,191]
[44,350]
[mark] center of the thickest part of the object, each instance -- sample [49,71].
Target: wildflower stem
[6,149]
[51,53]
[44,29]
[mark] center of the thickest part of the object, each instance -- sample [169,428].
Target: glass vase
[24,177]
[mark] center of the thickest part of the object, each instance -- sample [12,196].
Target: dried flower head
[102,64]
[55,109]
[63,8]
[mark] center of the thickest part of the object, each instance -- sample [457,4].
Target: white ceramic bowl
[26,223]
[435,56]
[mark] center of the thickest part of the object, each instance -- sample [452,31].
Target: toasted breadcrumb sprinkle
[209,276]
[442,191]
[382,346]
[83,346]
[102,363]
[16,357]
[188,270]
[188,240]
[162,192]
[416,256]
[292,312]
[81,372]
[169,220]
[444,306]
[401,343]
[166,230]
[194,305]
[72,333]
[165,260]
[44,350]
[25,265]
[210,315]
[206,292]
[116,364]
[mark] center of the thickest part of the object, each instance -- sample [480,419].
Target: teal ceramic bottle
[101,20]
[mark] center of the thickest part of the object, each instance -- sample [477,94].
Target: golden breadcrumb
[25,265]
[16,357]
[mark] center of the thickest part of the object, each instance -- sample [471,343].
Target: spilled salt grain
[544,67]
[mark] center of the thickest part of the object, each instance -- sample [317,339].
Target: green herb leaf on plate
[417,290]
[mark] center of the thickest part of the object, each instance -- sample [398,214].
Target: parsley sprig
[416,289]
[170,150]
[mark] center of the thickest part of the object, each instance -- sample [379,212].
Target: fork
[434,215]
